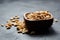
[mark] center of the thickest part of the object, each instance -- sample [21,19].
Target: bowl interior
[25,16]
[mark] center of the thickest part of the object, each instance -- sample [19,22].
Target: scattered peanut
[17,17]
[8,26]
[11,18]
[24,30]
[56,20]
[2,25]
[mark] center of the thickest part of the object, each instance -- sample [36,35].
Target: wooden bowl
[38,25]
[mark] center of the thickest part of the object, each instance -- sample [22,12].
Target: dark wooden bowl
[38,25]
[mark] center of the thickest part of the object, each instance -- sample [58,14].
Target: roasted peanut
[2,25]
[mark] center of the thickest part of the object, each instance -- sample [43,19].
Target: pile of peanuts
[38,15]
[20,25]
[14,21]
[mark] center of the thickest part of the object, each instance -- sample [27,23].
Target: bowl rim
[37,20]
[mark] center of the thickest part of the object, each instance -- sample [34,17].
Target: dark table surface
[9,8]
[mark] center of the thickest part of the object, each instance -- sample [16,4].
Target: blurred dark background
[2,1]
